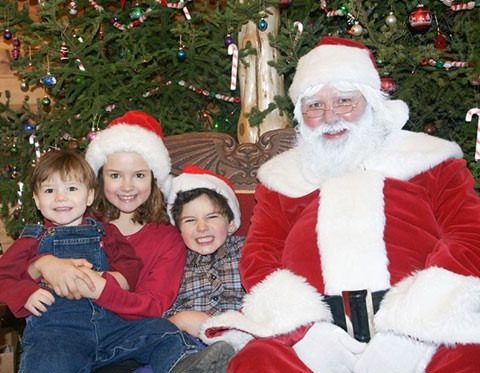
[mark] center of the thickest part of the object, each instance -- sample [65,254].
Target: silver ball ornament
[391,20]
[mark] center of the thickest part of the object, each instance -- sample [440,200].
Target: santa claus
[363,253]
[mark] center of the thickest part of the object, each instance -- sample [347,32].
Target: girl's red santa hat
[194,177]
[135,131]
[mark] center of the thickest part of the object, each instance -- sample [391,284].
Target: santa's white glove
[328,348]
[387,352]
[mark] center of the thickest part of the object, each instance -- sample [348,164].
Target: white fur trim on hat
[125,137]
[189,181]
[330,63]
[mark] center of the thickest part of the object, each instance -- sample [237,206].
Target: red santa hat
[135,131]
[334,60]
[194,177]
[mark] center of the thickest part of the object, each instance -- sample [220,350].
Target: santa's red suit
[408,221]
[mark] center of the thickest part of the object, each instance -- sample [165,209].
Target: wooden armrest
[221,153]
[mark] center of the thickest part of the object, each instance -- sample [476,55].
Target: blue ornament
[48,80]
[181,55]
[28,128]
[262,25]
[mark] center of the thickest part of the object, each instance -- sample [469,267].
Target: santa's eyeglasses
[340,106]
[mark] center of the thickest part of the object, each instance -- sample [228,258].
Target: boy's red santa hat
[135,131]
[194,177]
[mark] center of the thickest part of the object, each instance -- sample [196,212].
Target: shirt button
[215,298]
[213,277]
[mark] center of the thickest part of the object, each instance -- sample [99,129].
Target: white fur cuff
[433,305]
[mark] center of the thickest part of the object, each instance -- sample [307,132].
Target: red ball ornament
[284,3]
[420,18]
[387,84]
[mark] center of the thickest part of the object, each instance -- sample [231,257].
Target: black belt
[353,311]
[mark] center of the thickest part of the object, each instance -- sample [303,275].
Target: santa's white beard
[325,158]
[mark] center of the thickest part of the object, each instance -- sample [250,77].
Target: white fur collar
[404,155]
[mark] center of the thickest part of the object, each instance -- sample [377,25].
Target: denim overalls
[78,335]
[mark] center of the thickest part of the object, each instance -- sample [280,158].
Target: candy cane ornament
[233,51]
[468,118]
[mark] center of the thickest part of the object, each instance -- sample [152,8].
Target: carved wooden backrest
[221,153]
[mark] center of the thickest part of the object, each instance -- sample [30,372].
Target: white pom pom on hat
[334,60]
[194,177]
[135,131]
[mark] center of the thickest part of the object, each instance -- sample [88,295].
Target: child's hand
[189,321]
[62,275]
[37,302]
[98,281]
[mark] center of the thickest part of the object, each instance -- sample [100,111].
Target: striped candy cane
[463,6]
[233,51]
[468,118]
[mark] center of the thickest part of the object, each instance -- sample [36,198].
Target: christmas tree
[95,59]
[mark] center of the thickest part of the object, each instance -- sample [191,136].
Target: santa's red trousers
[271,356]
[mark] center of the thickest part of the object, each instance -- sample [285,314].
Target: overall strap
[32,231]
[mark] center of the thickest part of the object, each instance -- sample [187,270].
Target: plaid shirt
[211,283]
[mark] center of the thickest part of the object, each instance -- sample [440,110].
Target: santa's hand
[328,348]
[387,352]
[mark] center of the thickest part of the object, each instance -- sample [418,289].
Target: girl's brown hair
[153,210]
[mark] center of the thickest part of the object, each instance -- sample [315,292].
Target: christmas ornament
[228,40]
[391,20]
[299,26]
[64,52]
[430,128]
[48,80]
[136,12]
[180,5]
[28,128]
[73,7]
[14,149]
[207,93]
[468,118]
[447,65]
[420,18]
[461,6]
[24,85]
[14,173]
[233,51]
[46,101]
[16,49]
[181,54]
[32,140]
[7,34]
[80,79]
[95,128]
[79,64]
[356,29]
[387,84]
[440,42]
[284,3]
[262,24]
